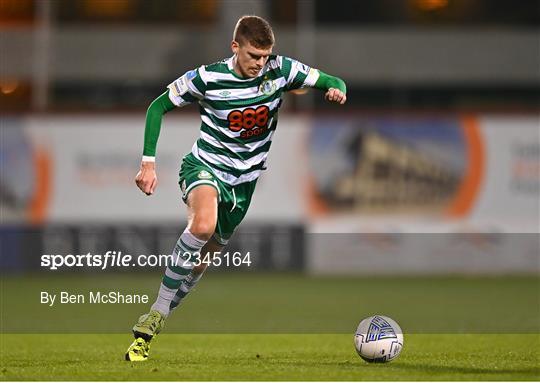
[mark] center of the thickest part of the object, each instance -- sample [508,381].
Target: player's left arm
[335,88]
[299,75]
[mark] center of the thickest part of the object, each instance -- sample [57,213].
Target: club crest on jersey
[268,86]
[204,175]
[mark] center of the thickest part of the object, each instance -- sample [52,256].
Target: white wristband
[148,159]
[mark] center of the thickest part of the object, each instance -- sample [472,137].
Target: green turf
[207,338]
[281,303]
[268,357]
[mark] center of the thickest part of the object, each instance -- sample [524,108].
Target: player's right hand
[146,178]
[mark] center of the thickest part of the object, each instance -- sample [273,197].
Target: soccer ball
[378,339]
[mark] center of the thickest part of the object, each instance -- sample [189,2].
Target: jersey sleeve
[297,74]
[188,88]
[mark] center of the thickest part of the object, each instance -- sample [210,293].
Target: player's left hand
[335,95]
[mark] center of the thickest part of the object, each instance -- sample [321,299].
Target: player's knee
[203,228]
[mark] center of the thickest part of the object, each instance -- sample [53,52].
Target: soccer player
[238,99]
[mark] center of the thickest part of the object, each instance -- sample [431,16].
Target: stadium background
[419,199]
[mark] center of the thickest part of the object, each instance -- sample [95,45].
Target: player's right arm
[146,178]
[186,89]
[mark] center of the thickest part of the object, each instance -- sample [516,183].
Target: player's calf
[187,246]
[188,284]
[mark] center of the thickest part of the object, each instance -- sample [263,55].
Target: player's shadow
[400,366]
[464,370]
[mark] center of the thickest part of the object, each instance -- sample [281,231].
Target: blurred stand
[409,54]
[440,134]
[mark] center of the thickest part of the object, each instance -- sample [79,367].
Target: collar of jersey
[231,69]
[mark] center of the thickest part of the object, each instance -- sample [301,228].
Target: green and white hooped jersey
[239,116]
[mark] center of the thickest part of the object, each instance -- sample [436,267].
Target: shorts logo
[268,87]
[204,175]
[183,186]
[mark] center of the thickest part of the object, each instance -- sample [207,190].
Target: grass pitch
[258,303]
[268,357]
[249,326]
